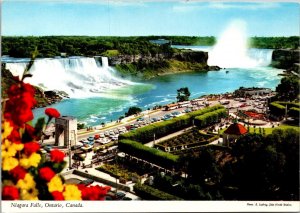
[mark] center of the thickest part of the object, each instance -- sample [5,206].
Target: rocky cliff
[148,66]
[188,56]
[286,59]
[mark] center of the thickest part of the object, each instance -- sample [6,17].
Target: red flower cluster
[52,113]
[18,173]
[31,147]
[21,101]
[14,136]
[46,173]
[57,156]
[57,195]
[10,193]
[93,192]
[30,130]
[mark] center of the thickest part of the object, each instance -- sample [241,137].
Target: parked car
[176,113]
[86,182]
[140,119]
[76,147]
[114,138]
[84,141]
[97,136]
[126,198]
[91,138]
[48,148]
[120,195]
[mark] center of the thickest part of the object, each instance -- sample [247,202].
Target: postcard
[150,106]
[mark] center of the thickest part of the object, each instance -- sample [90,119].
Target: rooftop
[236,129]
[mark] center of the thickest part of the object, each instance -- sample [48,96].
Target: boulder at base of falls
[54,96]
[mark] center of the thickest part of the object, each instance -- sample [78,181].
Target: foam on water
[80,77]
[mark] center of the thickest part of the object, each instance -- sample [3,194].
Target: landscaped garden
[118,171]
[189,139]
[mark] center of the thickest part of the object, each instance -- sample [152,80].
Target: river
[161,90]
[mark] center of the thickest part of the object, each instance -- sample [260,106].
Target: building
[233,132]
[242,92]
[160,41]
[65,131]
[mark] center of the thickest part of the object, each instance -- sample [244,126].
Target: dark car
[127,198]
[90,138]
[120,195]
[76,147]
[86,182]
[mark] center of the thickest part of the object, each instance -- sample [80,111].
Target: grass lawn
[269,130]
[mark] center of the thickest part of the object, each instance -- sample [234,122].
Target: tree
[288,89]
[202,167]
[133,111]
[183,94]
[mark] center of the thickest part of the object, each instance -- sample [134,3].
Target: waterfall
[16,69]
[104,61]
[77,76]
[231,49]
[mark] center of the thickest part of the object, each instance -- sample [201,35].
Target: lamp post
[73,138]
[153,139]
[70,153]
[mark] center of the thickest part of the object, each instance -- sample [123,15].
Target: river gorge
[98,94]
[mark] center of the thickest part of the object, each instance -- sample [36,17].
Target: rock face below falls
[286,59]
[188,56]
[148,66]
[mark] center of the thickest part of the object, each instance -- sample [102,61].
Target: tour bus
[171,107]
[184,104]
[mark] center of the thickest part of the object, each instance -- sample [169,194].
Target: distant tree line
[50,46]
[275,42]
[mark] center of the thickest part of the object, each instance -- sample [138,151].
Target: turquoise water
[162,90]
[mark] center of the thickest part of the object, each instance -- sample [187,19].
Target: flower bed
[117,171]
[189,139]
[150,193]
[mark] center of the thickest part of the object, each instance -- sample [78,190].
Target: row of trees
[50,46]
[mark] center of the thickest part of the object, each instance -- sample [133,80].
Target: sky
[137,18]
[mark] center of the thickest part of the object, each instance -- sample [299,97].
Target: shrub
[152,155]
[210,117]
[150,193]
[294,112]
[277,108]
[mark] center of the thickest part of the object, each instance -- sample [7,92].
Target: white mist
[231,49]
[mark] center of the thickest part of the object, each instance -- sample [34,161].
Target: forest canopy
[50,46]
